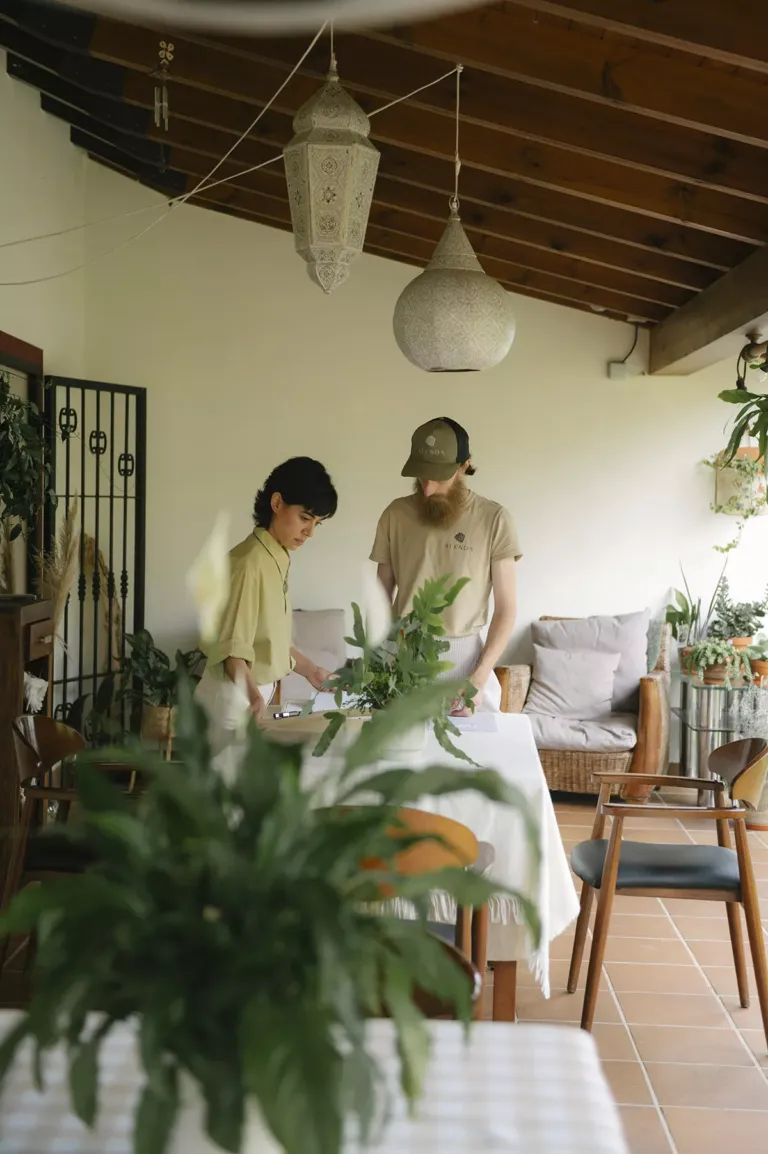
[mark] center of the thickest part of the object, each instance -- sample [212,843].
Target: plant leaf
[156,1114]
[83,1080]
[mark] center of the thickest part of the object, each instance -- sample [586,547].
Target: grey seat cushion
[645,865]
[610,734]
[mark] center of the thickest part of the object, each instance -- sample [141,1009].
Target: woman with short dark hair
[253,650]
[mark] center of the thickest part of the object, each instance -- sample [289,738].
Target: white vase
[412,741]
[189,1136]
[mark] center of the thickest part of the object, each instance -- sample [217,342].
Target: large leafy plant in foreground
[412,656]
[231,921]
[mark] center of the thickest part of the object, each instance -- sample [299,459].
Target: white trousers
[465,652]
[227,707]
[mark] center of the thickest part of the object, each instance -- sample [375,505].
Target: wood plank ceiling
[615,152]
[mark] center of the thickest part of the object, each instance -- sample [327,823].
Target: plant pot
[189,1136]
[718,674]
[684,657]
[741,642]
[759,670]
[412,741]
[157,722]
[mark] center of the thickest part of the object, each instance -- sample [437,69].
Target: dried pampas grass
[93,561]
[7,579]
[57,570]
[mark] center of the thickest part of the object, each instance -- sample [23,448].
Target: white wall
[41,191]
[246,363]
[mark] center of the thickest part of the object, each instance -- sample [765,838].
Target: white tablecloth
[531,1089]
[511,751]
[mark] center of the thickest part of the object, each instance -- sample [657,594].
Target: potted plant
[409,657]
[158,679]
[749,714]
[25,473]
[758,660]
[740,490]
[233,924]
[689,624]
[738,621]
[716,662]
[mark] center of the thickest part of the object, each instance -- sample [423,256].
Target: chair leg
[737,945]
[600,932]
[504,991]
[464,931]
[751,903]
[480,948]
[582,925]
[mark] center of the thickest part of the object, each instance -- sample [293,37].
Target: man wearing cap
[444,527]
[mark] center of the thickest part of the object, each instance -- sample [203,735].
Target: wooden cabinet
[26,643]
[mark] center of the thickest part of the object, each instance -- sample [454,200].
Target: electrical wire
[624,360]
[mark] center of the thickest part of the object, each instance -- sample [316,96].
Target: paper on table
[477,723]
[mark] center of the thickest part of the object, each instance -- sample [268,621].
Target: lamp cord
[454,202]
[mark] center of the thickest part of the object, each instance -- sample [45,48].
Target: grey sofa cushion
[626,634]
[610,734]
[572,682]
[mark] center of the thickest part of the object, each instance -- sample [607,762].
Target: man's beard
[443,509]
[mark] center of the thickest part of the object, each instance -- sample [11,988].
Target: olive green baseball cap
[437,450]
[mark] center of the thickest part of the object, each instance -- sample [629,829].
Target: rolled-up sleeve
[239,620]
[505,542]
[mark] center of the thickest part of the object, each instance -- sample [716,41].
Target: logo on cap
[430,441]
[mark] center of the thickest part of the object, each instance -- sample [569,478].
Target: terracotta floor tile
[653,832]
[644,1130]
[703,929]
[561,948]
[690,1045]
[663,951]
[723,979]
[748,1019]
[628,1083]
[558,975]
[614,1043]
[714,953]
[622,904]
[692,908]
[715,1131]
[562,1007]
[637,978]
[674,1010]
[714,1087]
[757,1043]
[641,926]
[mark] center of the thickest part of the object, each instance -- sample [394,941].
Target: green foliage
[750,421]
[736,618]
[685,616]
[25,468]
[231,921]
[152,668]
[411,657]
[747,500]
[714,651]
[759,651]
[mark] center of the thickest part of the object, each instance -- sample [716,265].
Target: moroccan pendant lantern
[453,318]
[330,167]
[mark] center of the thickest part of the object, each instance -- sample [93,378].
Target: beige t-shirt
[418,552]
[257,620]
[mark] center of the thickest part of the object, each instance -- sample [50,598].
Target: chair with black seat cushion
[40,744]
[699,872]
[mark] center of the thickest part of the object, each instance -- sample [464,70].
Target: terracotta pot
[157,722]
[717,674]
[741,642]
[759,670]
[684,657]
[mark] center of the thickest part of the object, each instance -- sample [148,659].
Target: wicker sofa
[572,770]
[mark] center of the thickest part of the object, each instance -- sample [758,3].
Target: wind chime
[161,74]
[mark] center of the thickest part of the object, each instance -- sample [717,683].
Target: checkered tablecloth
[531,1089]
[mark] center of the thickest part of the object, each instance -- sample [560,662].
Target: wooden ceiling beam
[724,32]
[717,323]
[385,71]
[604,67]
[504,191]
[206,92]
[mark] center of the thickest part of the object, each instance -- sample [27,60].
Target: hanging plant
[25,468]
[740,489]
[750,421]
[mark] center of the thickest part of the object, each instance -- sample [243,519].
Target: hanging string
[203,186]
[454,201]
[333,51]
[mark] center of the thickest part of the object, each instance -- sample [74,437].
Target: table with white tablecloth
[503,742]
[530,1089]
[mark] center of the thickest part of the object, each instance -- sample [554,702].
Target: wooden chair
[454,846]
[699,872]
[40,744]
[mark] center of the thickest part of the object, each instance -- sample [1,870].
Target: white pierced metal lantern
[331,167]
[454,318]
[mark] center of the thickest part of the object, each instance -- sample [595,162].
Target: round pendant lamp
[272,17]
[453,318]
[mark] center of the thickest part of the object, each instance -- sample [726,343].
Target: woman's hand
[318,677]
[257,703]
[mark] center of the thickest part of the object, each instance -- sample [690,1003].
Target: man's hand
[459,707]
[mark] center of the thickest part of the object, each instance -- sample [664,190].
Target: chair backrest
[743,766]
[40,743]
[457,846]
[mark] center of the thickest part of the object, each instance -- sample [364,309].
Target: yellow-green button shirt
[256,622]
